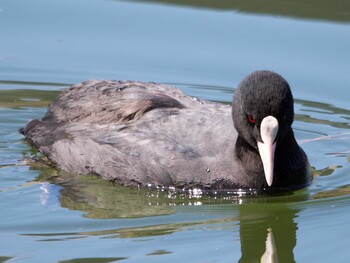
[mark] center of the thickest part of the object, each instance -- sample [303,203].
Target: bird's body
[143,134]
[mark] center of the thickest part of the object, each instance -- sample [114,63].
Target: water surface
[205,49]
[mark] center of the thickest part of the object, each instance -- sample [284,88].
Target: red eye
[251,119]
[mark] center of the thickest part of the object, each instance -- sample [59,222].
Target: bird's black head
[262,111]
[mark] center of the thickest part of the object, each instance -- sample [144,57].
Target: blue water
[49,216]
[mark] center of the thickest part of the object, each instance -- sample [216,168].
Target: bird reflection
[270,255]
[267,232]
[267,224]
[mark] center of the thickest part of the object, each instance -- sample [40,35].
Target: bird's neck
[250,160]
[291,164]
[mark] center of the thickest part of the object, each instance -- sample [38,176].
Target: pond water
[204,48]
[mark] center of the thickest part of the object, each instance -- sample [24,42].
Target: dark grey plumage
[149,134]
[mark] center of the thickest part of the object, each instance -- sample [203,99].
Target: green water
[204,48]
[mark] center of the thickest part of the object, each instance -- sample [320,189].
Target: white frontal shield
[268,132]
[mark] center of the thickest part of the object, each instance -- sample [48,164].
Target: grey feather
[138,133]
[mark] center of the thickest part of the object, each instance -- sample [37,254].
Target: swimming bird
[148,134]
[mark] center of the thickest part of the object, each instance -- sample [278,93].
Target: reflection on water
[343,190]
[99,198]
[4,259]
[267,226]
[267,232]
[312,9]
[26,98]
[92,260]
[325,109]
[270,254]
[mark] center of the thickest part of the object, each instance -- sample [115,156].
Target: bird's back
[138,134]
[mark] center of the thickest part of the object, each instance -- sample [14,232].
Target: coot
[147,134]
